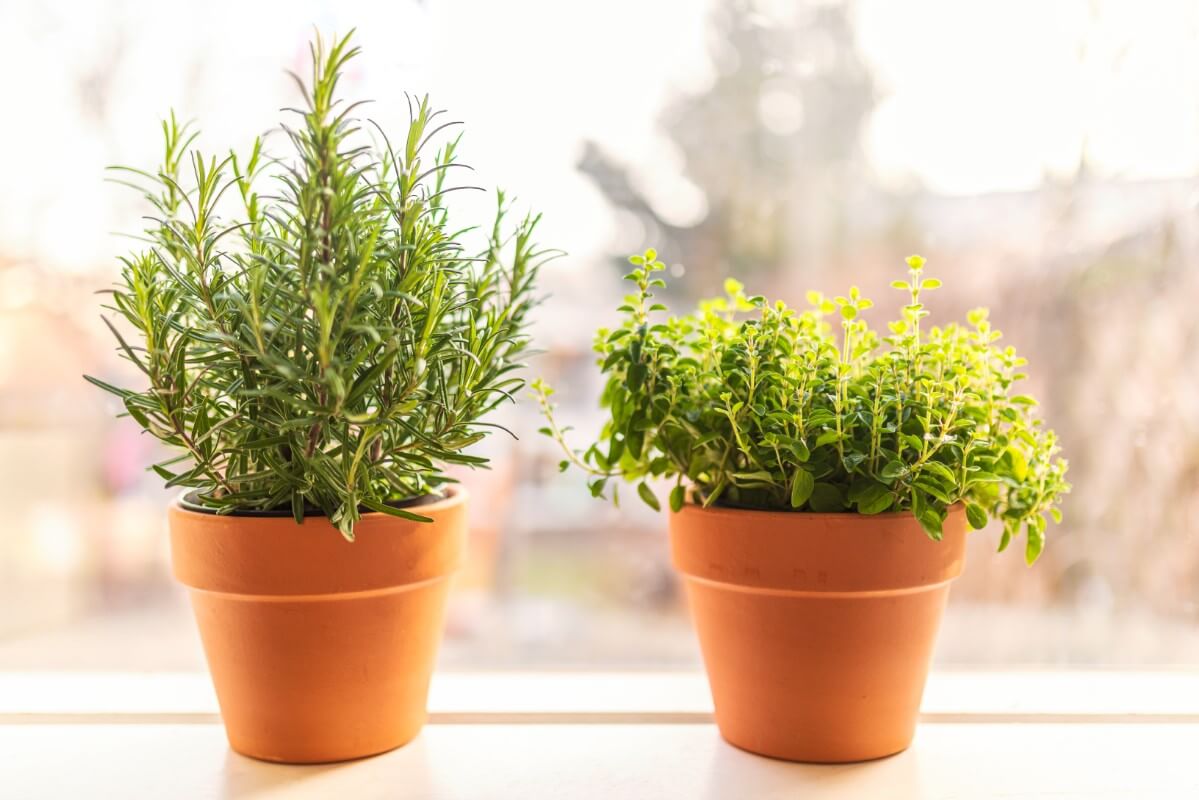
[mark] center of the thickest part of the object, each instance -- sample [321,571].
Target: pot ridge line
[327,596]
[831,593]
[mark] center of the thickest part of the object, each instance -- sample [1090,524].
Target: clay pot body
[816,629]
[320,649]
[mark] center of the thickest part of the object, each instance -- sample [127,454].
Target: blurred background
[1043,157]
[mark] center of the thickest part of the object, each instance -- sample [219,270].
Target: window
[791,148]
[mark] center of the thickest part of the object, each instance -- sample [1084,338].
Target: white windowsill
[1092,734]
[951,696]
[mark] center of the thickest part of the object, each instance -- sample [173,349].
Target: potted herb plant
[317,353]
[824,482]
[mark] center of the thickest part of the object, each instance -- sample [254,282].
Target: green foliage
[333,344]
[758,406]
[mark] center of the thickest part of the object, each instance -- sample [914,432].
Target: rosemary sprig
[335,344]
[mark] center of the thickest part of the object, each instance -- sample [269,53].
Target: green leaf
[874,499]
[677,498]
[931,521]
[826,498]
[393,511]
[1006,538]
[1019,464]
[941,471]
[616,450]
[828,437]
[108,387]
[1034,545]
[636,377]
[976,516]
[760,476]
[802,485]
[931,487]
[647,494]
[634,442]
[163,473]
[853,460]
[614,358]
[892,470]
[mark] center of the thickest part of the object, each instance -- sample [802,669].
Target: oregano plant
[312,329]
[755,405]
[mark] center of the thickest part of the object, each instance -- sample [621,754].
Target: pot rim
[261,558]
[454,494]
[813,515]
[826,554]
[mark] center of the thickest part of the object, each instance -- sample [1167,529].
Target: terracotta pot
[320,649]
[816,629]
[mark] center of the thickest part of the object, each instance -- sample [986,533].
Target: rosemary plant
[758,406]
[330,344]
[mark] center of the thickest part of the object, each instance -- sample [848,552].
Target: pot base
[275,757]
[811,756]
